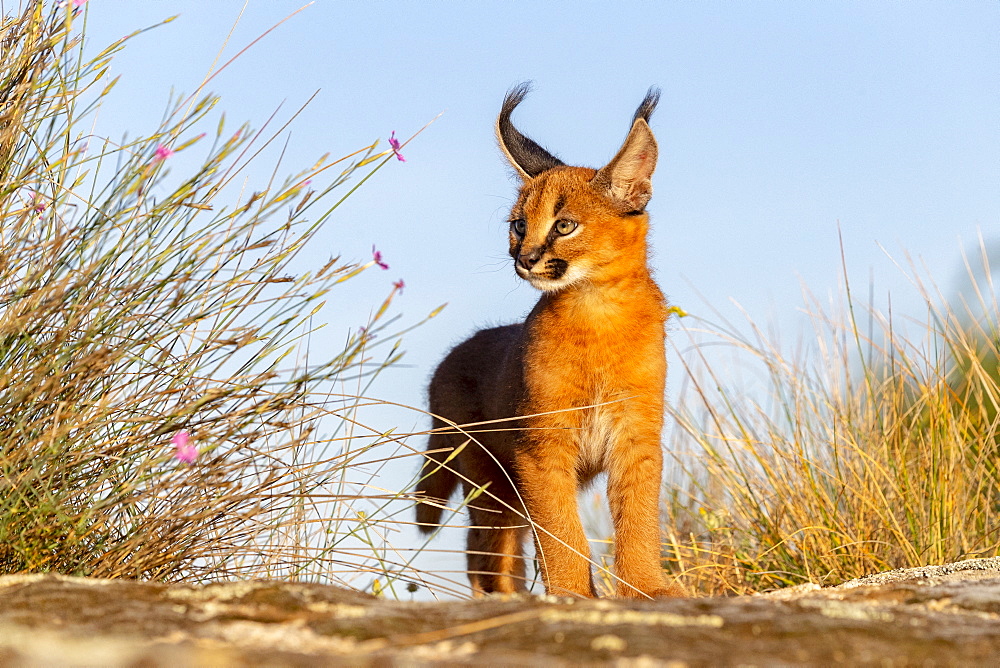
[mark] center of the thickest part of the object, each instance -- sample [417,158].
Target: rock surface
[934,616]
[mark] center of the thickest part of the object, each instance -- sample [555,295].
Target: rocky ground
[933,616]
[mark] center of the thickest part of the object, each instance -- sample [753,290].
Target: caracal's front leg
[634,471]
[548,483]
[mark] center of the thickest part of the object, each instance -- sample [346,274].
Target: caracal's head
[574,224]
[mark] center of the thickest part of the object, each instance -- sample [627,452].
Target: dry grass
[135,304]
[873,449]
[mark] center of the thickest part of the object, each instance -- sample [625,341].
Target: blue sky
[780,124]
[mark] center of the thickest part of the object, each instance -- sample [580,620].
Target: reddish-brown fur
[579,385]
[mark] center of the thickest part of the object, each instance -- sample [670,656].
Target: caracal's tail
[437,479]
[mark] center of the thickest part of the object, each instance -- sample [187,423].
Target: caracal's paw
[669,591]
[665,590]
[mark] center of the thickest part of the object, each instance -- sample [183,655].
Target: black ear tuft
[527,157]
[515,96]
[647,105]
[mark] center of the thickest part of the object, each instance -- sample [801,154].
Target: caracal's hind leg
[496,551]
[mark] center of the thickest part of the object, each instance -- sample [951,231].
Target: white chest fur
[599,431]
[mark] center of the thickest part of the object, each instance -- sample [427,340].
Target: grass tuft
[874,448]
[141,304]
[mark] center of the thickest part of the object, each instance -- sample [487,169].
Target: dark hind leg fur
[495,541]
[496,553]
[498,533]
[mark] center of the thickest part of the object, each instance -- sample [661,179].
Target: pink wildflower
[377,256]
[399,285]
[184,451]
[38,204]
[162,153]
[394,143]
[76,4]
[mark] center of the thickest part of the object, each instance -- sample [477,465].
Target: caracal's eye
[518,227]
[565,226]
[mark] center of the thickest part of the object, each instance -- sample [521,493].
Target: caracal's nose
[529,260]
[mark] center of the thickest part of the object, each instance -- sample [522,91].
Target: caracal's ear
[626,179]
[527,157]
